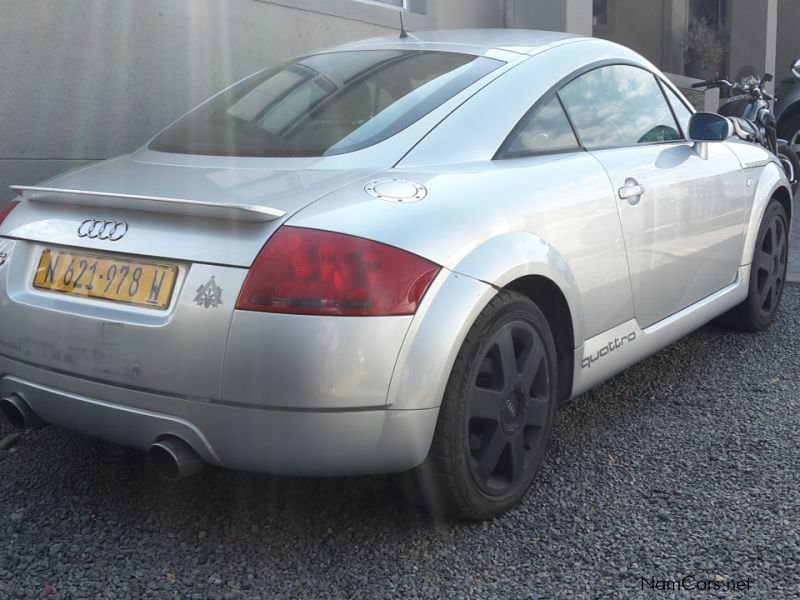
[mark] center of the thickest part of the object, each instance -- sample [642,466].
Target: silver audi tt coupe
[393,256]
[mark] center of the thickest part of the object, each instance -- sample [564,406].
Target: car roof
[471,41]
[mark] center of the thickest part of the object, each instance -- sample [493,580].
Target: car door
[682,214]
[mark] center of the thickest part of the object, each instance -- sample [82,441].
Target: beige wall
[83,80]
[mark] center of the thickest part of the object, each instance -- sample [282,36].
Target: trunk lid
[204,223]
[208,214]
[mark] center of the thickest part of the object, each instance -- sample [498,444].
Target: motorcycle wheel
[791,164]
[790,131]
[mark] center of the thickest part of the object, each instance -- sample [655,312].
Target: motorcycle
[753,121]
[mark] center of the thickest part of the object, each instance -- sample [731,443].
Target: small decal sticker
[209,295]
[5,249]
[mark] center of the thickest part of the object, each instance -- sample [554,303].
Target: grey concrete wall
[754,29]
[702,100]
[466,14]
[788,37]
[637,24]
[673,35]
[573,16]
[85,80]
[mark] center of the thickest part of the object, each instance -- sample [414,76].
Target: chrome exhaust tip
[19,414]
[174,459]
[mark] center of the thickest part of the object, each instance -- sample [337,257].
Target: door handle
[631,191]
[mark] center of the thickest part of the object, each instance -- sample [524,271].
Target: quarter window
[544,130]
[618,106]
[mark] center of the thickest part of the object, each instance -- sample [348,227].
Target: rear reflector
[311,272]
[4,212]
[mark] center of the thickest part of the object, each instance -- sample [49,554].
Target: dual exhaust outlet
[19,414]
[171,456]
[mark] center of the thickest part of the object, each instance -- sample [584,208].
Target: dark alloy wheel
[496,415]
[767,274]
[508,405]
[769,264]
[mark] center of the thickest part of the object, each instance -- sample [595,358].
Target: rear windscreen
[324,104]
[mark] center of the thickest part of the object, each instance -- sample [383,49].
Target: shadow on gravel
[683,463]
[118,486]
[98,475]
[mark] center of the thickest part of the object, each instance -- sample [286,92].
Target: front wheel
[767,274]
[791,164]
[496,415]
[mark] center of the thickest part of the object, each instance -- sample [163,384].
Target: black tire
[496,415]
[767,274]
[790,131]
[791,164]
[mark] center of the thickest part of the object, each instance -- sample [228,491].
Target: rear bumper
[285,442]
[282,394]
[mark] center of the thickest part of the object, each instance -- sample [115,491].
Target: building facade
[755,36]
[85,80]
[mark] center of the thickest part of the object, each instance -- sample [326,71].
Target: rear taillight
[312,272]
[4,212]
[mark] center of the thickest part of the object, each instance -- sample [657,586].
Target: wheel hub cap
[512,411]
[509,407]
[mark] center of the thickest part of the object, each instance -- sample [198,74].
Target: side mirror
[767,77]
[796,68]
[709,127]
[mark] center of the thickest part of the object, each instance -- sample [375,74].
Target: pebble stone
[685,464]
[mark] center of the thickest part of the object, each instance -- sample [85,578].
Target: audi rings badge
[102,230]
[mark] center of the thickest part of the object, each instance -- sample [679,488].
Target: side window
[681,112]
[617,106]
[545,130]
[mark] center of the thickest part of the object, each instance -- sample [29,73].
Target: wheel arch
[516,261]
[771,185]
[551,301]
[528,264]
[515,256]
[784,196]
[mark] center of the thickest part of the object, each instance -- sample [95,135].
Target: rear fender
[454,302]
[511,256]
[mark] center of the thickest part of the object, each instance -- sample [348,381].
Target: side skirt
[610,352]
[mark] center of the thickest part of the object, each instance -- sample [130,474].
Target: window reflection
[547,130]
[328,103]
[619,105]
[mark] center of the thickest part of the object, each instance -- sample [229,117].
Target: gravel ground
[687,464]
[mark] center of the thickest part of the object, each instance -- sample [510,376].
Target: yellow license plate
[115,279]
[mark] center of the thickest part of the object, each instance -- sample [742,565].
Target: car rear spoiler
[172,206]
